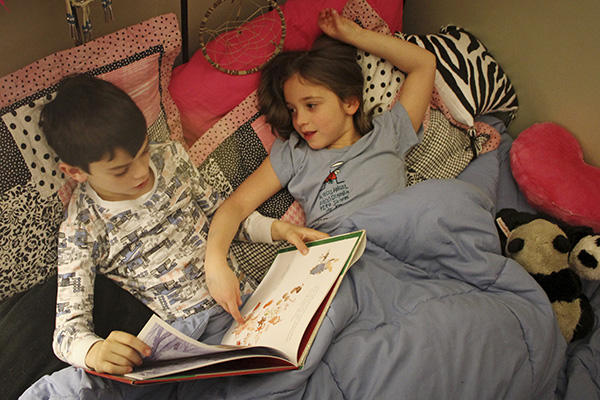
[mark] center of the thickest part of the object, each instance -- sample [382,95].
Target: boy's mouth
[143,184]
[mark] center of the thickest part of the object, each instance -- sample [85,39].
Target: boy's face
[119,178]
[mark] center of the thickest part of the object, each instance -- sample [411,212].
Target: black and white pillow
[468,77]
[382,81]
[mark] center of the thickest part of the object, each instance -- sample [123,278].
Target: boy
[139,215]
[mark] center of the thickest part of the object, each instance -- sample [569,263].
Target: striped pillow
[468,77]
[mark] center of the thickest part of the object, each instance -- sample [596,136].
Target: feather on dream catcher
[81,32]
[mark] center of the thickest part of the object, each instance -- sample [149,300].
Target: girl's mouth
[308,135]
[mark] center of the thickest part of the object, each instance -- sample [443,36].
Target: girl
[336,160]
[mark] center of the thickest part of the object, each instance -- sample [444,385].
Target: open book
[281,320]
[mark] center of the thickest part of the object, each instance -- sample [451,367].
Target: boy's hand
[224,287]
[294,234]
[117,354]
[336,26]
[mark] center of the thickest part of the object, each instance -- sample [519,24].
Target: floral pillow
[33,191]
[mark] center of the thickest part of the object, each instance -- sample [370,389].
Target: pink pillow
[547,163]
[204,94]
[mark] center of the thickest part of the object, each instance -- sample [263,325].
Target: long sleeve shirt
[152,246]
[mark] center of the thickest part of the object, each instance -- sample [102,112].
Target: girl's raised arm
[418,64]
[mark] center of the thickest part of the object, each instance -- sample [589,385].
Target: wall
[33,29]
[549,49]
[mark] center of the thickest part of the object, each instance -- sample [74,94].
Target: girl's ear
[351,105]
[76,173]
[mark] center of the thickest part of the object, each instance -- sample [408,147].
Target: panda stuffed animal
[543,248]
[585,257]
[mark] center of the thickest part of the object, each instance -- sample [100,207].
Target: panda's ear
[574,233]
[513,218]
[561,244]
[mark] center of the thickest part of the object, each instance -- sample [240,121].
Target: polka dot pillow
[33,191]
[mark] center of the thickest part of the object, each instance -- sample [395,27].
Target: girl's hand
[224,287]
[295,235]
[117,354]
[336,26]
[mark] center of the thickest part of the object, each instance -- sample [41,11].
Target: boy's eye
[122,173]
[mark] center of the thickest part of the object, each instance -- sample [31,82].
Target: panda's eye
[561,243]
[515,245]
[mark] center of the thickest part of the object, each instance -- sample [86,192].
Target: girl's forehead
[300,88]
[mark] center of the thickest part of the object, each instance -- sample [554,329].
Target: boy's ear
[351,105]
[76,173]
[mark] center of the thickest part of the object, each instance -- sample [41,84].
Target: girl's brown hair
[329,63]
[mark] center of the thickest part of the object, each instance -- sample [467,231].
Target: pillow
[234,147]
[468,77]
[33,191]
[204,94]
[239,141]
[547,163]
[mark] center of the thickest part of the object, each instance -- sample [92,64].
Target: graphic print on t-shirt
[334,191]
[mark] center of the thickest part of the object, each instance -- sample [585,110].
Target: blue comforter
[430,311]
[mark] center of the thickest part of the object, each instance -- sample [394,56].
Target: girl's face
[319,115]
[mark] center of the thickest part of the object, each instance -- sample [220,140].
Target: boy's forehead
[120,159]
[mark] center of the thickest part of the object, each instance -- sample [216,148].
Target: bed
[431,310]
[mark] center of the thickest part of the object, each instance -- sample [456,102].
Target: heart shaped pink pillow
[547,163]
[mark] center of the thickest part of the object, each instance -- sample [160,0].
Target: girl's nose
[301,118]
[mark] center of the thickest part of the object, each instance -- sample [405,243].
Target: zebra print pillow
[468,78]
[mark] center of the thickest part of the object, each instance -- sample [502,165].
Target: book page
[281,308]
[174,352]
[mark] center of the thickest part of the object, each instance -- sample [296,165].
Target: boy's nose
[140,169]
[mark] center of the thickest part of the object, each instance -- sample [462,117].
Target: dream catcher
[252,34]
[82,32]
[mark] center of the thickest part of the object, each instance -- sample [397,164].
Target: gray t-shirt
[331,184]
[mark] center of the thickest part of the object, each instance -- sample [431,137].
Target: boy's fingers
[133,348]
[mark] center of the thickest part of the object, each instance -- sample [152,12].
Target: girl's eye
[291,110]
[311,105]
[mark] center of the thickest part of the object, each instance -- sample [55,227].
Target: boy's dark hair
[89,119]
[330,63]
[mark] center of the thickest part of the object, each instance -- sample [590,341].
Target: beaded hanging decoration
[82,32]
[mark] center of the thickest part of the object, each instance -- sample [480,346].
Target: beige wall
[549,49]
[33,29]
